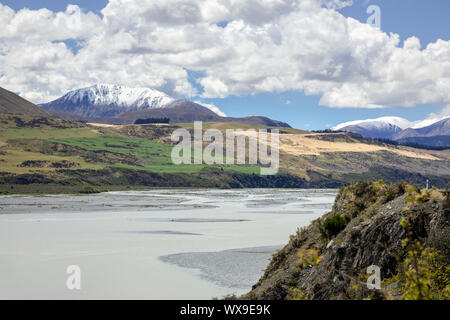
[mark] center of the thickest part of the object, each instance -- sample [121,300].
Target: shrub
[391,191]
[89,190]
[446,193]
[426,277]
[333,225]
[295,294]
[440,240]
[308,258]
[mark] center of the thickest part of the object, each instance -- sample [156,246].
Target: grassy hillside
[37,152]
[101,146]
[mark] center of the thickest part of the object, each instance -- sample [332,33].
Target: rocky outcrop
[320,264]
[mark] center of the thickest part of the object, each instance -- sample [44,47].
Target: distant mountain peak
[102,100]
[378,123]
[428,122]
[104,94]
[108,100]
[429,131]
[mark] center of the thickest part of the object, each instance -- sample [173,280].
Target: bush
[89,190]
[425,276]
[333,225]
[295,294]
[152,120]
[440,240]
[446,203]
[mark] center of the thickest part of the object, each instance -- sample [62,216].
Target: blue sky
[427,20]
[55,5]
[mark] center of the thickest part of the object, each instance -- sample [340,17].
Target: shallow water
[159,244]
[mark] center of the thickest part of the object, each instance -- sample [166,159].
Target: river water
[159,244]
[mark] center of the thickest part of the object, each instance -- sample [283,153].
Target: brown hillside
[13,104]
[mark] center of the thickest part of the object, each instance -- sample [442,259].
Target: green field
[147,155]
[153,156]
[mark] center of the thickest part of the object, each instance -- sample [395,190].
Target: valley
[225,156]
[40,155]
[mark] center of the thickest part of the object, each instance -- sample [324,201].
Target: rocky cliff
[399,228]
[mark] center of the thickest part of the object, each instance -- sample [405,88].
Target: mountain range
[426,132]
[115,104]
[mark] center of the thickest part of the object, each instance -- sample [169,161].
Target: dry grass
[104,125]
[300,144]
[223,126]
[306,144]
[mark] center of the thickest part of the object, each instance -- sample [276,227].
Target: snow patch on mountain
[378,124]
[109,94]
[106,100]
[399,129]
[428,122]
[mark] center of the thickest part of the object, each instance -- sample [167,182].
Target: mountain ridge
[399,129]
[11,103]
[440,128]
[178,111]
[105,100]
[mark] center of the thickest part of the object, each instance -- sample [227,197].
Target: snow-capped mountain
[107,100]
[439,128]
[428,122]
[385,127]
[436,134]
[400,129]
[379,123]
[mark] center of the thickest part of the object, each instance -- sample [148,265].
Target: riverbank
[121,179]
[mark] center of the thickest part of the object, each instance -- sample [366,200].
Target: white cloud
[433,118]
[212,107]
[266,46]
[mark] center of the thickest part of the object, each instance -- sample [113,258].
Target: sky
[310,63]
